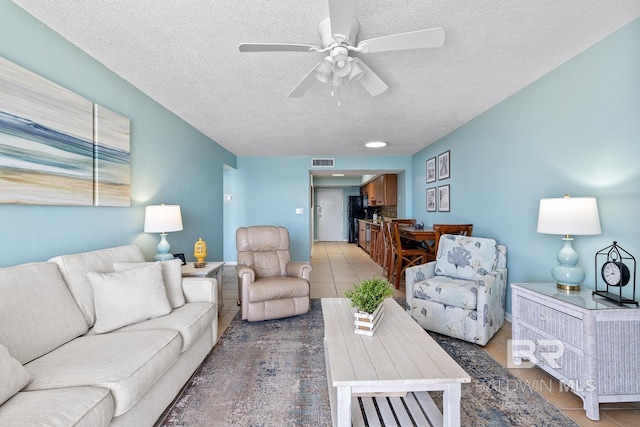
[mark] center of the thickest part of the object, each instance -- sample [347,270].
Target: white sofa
[76,350]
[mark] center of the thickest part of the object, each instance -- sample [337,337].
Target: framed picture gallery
[444,165]
[431,199]
[444,198]
[431,170]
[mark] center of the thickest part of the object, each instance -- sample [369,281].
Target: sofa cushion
[448,291]
[74,269]
[75,406]
[128,297]
[172,275]
[191,320]
[37,312]
[127,364]
[13,375]
[465,257]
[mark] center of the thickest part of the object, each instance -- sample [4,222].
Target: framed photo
[444,198]
[181,258]
[432,202]
[431,170]
[444,165]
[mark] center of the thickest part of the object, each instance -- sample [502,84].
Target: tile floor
[338,265]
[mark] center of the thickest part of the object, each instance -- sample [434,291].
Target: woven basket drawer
[567,367]
[559,325]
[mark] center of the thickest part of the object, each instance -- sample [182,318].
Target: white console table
[590,344]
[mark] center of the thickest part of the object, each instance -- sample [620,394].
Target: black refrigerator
[355,211]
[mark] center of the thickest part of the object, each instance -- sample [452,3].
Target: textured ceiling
[184,54]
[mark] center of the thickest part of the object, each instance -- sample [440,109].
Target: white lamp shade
[323,71]
[569,216]
[356,72]
[341,65]
[162,219]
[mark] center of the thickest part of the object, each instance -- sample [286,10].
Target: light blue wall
[576,131]
[171,162]
[267,190]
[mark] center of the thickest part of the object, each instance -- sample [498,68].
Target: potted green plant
[367,298]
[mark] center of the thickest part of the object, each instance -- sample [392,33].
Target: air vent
[322,163]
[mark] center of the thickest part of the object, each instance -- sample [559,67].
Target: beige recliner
[270,286]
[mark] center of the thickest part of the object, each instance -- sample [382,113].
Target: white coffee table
[401,357]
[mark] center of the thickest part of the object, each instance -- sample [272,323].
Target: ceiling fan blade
[370,80]
[305,84]
[341,15]
[433,37]
[276,47]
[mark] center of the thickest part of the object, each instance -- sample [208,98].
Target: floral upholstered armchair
[462,293]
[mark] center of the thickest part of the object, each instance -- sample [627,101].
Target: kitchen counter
[370,238]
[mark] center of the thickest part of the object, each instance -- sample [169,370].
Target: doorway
[329,215]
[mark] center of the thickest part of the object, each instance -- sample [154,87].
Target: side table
[211,270]
[588,343]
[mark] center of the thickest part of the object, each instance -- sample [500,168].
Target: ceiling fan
[338,33]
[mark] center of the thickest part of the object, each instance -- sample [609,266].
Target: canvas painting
[112,170]
[46,141]
[56,147]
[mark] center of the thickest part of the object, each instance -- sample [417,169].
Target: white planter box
[366,324]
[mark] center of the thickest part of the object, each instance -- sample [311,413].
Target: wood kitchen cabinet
[362,235]
[382,191]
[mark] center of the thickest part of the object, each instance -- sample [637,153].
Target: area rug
[273,374]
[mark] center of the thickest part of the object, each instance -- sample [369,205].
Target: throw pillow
[464,257]
[171,273]
[14,376]
[128,297]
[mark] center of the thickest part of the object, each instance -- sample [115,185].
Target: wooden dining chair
[387,263]
[403,256]
[440,229]
[407,243]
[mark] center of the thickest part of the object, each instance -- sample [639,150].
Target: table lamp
[568,216]
[162,219]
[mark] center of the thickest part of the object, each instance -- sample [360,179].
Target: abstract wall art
[112,171]
[56,147]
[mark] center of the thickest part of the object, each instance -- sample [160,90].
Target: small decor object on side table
[181,257]
[367,298]
[615,273]
[200,252]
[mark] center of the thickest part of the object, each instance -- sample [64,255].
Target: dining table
[424,235]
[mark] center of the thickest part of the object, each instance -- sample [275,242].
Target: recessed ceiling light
[376,144]
[337,174]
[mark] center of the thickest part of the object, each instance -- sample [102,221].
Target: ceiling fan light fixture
[323,71]
[341,63]
[375,144]
[356,72]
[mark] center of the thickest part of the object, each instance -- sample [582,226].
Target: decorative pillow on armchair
[465,257]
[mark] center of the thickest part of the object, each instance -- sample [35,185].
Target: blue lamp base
[163,249]
[568,274]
